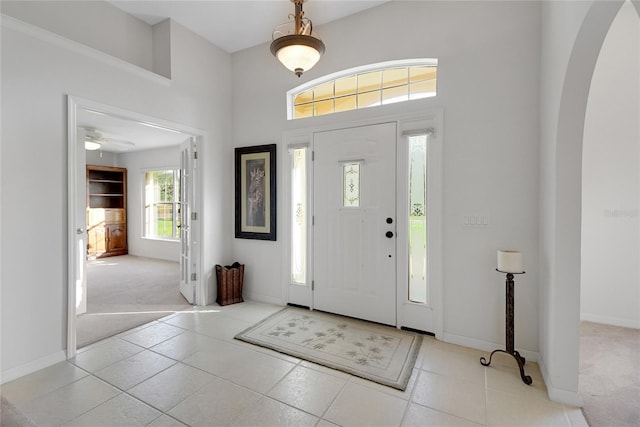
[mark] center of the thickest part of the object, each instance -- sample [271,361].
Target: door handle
[79,230]
[389,234]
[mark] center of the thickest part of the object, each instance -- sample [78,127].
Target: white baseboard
[485,345]
[36,365]
[264,298]
[566,397]
[614,321]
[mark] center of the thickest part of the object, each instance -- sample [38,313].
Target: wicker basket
[229,280]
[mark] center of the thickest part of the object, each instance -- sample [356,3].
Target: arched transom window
[362,87]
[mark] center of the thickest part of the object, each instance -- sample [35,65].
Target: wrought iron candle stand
[509,332]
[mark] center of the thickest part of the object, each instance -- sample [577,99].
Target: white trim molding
[65,43]
[31,367]
[487,346]
[75,103]
[567,397]
[613,321]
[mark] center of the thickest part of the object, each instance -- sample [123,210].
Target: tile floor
[186,369]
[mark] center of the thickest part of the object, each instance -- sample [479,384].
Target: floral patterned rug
[376,352]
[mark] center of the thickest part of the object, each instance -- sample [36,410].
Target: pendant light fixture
[295,44]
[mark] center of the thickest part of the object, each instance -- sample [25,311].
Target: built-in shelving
[106,211]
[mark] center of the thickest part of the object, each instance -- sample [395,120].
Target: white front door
[188,221]
[355,222]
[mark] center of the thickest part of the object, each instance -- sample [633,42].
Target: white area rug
[375,352]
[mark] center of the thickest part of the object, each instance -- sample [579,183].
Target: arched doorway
[561,206]
[610,239]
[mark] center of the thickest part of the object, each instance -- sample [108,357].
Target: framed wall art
[255,176]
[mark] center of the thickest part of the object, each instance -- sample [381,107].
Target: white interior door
[355,222]
[189,248]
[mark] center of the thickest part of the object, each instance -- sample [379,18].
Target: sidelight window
[299,214]
[418,218]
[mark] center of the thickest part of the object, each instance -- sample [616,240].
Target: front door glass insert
[351,185]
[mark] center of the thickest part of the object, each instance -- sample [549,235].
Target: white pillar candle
[510,261]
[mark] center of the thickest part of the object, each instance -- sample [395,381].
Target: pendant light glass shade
[295,44]
[298,53]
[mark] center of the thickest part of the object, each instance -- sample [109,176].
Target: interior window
[162,204]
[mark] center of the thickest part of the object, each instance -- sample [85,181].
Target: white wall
[104,158]
[137,163]
[610,274]
[488,82]
[37,74]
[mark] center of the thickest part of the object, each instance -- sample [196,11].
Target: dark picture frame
[255,179]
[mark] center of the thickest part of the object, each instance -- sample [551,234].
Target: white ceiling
[121,135]
[234,25]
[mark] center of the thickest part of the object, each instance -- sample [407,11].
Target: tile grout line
[92,408]
[410,402]
[57,388]
[486,396]
[162,411]
[459,380]
[338,394]
[415,386]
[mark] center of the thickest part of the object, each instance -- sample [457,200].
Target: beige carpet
[610,375]
[127,291]
[378,353]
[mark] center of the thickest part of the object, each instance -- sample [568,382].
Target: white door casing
[77,197]
[188,220]
[355,246]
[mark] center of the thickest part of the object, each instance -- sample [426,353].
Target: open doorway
[609,374]
[130,255]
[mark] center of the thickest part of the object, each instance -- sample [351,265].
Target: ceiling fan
[94,140]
